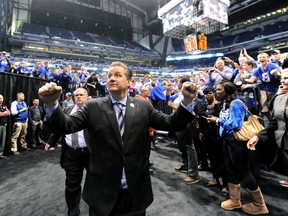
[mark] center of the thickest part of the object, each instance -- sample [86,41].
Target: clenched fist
[49,93]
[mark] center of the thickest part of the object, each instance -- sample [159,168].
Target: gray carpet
[32,184]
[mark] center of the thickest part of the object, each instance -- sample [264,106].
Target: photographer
[219,73]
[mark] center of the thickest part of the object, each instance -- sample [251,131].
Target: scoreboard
[201,15]
[195,42]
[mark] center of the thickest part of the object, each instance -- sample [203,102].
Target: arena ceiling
[148,5]
[238,10]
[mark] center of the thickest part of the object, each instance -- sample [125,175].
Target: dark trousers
[74,162]
[215,154]
[122,207]
[236,159]
[182,137]
[281,163]
[36,132]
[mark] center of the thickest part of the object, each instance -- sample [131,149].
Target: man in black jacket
[74,157]
[116,132]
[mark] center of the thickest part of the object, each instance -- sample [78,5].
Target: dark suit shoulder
[67,110]
[139,101]
[98,100]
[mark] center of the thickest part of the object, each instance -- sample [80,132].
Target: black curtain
[10,85]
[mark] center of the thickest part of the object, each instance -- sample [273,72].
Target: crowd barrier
[10,85]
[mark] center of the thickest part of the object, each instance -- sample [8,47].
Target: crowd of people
[205,137]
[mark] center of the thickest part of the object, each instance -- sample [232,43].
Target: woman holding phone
[236,155]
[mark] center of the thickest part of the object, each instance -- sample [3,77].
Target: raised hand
[49,93]
[189,91]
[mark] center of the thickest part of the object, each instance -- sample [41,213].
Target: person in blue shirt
[47,71]
[19,111]
[65,77]
[54,76]
[269,74]
[235,153]
[4,62]
[276,57]
[23,70]
[157,95]
[39,70]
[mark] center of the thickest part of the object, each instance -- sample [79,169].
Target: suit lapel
[109,111]
[129,116]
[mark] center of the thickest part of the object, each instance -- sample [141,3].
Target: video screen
[191,11]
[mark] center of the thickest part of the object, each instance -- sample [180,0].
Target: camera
[211,70]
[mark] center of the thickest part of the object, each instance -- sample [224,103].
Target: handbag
[249,128]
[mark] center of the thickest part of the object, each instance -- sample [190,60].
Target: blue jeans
[192,160]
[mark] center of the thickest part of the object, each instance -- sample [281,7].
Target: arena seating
[74,35]
[60,33]
[83,37]
[33,29]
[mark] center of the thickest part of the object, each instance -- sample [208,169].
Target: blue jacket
[232,118]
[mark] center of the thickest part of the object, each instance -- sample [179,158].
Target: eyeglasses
[80,95]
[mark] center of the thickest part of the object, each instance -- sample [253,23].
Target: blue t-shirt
[269,82]
[4,64]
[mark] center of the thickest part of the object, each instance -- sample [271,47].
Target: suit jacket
[278,124]
[109,155]
[53,139]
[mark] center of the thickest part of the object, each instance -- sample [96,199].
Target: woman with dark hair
[236,155]
[209,135]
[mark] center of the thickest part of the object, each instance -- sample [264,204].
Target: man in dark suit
[74,157]
[118,180]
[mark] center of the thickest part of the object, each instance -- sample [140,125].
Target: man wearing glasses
[116,130]
[74,157]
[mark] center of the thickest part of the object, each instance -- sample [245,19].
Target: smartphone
[208,116]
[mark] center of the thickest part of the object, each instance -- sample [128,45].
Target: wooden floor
[32,184]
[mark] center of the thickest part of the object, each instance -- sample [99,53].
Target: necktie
[120,117]
[75,143]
